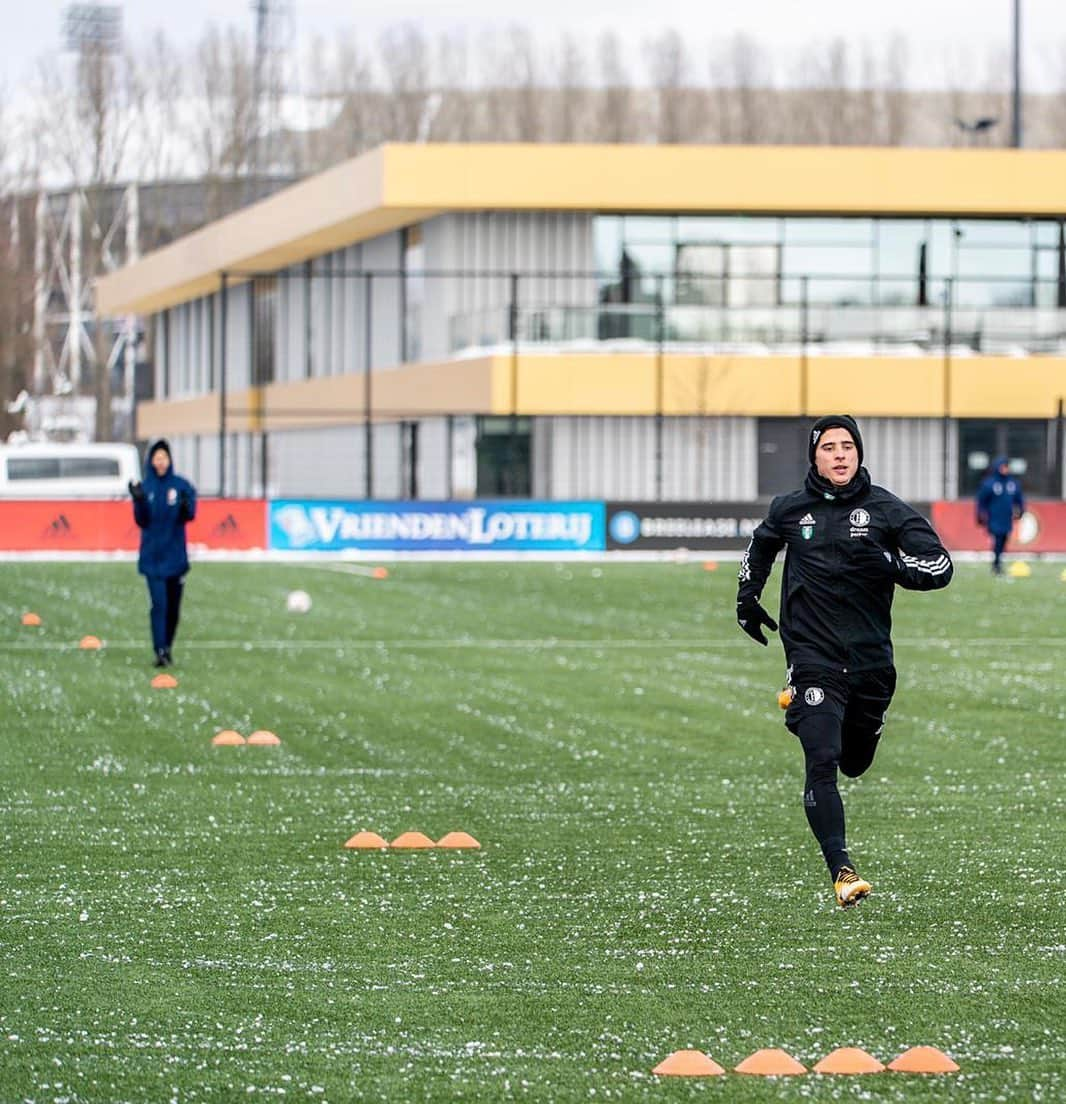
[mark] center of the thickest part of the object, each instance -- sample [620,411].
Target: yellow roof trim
[396,185]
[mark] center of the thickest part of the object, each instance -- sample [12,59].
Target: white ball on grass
[298,601]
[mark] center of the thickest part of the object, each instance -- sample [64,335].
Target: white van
[44,470]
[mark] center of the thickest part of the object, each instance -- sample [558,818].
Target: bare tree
[160,93]
[895,103]
[527,83]
[222,86]
[820,108]
[405,62]
[571,99]
[344,77]
[740,76]
[10,379]
[616,96]
[668,68]
[454,119]
[512,88]
[86,117]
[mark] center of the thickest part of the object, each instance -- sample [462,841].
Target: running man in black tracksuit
[849,545]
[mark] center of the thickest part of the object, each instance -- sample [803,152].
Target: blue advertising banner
[314,525]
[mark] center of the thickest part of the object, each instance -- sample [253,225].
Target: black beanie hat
[831,421]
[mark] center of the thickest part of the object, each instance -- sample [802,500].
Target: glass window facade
[883,267]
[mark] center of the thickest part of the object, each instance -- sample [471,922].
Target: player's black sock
[825,815]
[820,737]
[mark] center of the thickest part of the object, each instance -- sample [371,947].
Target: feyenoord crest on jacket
[833,611]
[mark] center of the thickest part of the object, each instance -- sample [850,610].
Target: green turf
[179,921]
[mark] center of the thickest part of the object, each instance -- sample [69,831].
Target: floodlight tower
[266,81]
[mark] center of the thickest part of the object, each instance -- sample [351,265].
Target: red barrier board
[84,525]
[1042,528]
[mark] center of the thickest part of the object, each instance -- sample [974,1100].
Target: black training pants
[165,593]
[838,718]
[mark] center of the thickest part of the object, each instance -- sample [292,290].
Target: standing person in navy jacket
[999,505]
[162,506]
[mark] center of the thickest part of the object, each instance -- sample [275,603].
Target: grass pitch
[180,922]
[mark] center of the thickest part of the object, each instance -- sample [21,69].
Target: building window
[264,313]
[503,458]
[748,261]
[1024,441]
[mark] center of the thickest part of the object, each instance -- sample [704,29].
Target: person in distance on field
[999,505]
[162,506]
[848,544]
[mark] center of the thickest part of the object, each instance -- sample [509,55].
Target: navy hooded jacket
[999,500]
[168,504]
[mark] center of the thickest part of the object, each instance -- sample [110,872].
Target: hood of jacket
[821,487]
[153,446]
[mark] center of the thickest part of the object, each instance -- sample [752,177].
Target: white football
[298,601]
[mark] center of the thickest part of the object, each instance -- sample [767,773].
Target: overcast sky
[972,29]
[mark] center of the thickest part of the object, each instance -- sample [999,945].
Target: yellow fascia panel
[629,384]
[177,417]
[884,386]
[731,179]
[560,383]
[326,211]
[747,385]
[1007,387]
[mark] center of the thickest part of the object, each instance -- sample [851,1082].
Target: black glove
[184,504]
[751,617]
[874,561]
[136,491]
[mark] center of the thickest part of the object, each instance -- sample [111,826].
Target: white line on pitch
[473,643]
[344,568]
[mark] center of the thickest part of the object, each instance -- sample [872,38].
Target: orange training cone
[380,573]
[227,738]
[263,738]
[412,841]
[688,1063]
[771,1062]
[457,840]
[366,841]
[923,1059]
[31,618]
[849,1060]
[90,644]
[164,682]
[710,565]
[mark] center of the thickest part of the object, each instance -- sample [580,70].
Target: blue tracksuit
[999,502]
[169,503]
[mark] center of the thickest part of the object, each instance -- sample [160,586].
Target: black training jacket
[835,612]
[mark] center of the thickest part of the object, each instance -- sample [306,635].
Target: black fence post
[805,337]
[368,429]
[660,336]
[511,481]
[1060,449]
[949,296]
[224,301]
